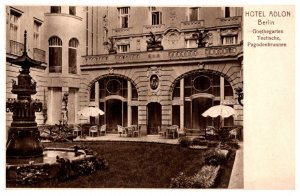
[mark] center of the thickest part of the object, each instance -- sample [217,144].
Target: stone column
[97,93]
[50,119]
[129,110]
[222,94]
[222,89]
[76,105]
[182,104]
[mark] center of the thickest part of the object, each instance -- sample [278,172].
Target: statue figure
[202,36]
[111,46]
[153,43]
[65,109]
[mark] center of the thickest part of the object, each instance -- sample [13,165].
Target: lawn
[138,165]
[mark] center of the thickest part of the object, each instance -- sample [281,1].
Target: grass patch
[133,165]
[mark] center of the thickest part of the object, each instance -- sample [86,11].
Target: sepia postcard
[149,96]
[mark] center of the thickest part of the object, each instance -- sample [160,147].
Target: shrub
[199,141]
[181,181]
[214,157]
[205,178]
[212,144]
[184,142]
[234,145]
[101,163]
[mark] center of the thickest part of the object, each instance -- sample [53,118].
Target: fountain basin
[56,163]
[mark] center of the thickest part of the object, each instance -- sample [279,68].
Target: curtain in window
[55,59]
[72,60]
[56,9]
[72,10]
[193,14]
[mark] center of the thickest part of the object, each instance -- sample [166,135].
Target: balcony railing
[153,28]
[122,31]
[39,55]
[236,20]
[166,55]
[15,48]
[192,24]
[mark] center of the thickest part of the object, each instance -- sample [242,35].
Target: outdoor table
[129,131]
[171,130]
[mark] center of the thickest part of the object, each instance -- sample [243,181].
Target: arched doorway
[200,105]
[114,114]
[117,96]
[196,92]
[153,118]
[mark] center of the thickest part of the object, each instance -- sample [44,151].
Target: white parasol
[90,111]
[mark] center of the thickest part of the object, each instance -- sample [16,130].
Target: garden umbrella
[220,110]
[90,111]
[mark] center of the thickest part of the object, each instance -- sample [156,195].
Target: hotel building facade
[101,57]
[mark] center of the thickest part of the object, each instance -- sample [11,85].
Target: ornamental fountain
[26,159]
[23,137]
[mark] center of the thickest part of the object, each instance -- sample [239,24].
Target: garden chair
[172,131]
[234,133]
[129,131]
[136,131]
[162,133]
[181,133]
[103,130]
[93,129]
[121,130]
[76,130]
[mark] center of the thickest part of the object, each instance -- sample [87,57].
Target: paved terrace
[116,137]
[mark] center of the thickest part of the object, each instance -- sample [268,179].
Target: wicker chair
[93,129]
[103,130]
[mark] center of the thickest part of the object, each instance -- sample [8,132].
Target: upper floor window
[191,43]
[156,16]
[123,48]
[229,40]
[229,12]
[72,10]
[36,33]
[194,14]
[73,44]
[124,16]
[14,25]
[55,9]
[55,54]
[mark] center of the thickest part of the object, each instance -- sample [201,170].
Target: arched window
[72,10]
[55,54]
[73,44]
[55,9]
[200,92]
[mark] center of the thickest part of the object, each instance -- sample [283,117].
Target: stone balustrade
[236,20]
[192,24]
[153,28]
[165,55]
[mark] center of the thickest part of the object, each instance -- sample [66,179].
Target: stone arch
[90,84]
[203,71]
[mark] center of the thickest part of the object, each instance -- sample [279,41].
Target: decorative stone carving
[111,45]
[154,43]
[154,81]
[202,38]
[153,74]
